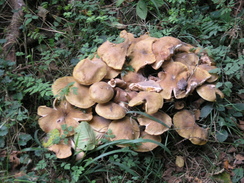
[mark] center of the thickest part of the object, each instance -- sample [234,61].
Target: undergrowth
[55,35]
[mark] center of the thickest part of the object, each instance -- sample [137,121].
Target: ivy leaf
[222,135]
[141,9]
[206,110]
[84,137]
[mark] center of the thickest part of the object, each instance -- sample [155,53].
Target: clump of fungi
[143,74]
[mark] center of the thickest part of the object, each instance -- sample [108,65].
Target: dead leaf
[241,124]
[179,161]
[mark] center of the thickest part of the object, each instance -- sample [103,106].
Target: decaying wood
[13,32]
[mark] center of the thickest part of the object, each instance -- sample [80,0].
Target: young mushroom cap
[147,146]
[110,110]
[208,68]
[152,101]
[142,54]
[208,92]
[186,127]
[126,128]
[62,114]
[87,71]
[153,127]
[101,92]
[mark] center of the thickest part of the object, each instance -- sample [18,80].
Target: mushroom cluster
[139,74]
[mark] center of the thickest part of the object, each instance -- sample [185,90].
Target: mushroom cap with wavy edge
[163,49]
[142,53]
[147,146]
[110,110]
[189,59]
[172,78]
[152,101]
[62,114]
[197,77]
[111,73]
[101,92]
[149,85]
[87,71]
[60,84]
[115,54]
[79,97]
[207,67]
[126,128]
[186,127]
[208,92]
[61,150]
[153,127]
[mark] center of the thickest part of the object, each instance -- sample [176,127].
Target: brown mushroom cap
[154,127]
[142,53]
[110,110]
[64,113]
[207,67]
[61,150]
[189,59]
[208,92]
[163,49]
[101,92]
[60,84]
[184,123]
[115,54]
[99,124]
[87,71]
[126,128]
[173,78]
[148,146]
[152,101]
[79,96]
[133,77]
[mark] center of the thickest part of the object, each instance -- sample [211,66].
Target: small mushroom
[186,127]
[110,110]
[153,127]
[148,146]
[101,92]
[62,114]
[126,128]
[208,68]
[60,83]
[208,92]
[152,101]
[87,71]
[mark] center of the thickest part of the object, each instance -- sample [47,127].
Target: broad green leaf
[84,137]
[119,2]
[24,138]
[206,110]
[53,136]
[222,135]
[141,9]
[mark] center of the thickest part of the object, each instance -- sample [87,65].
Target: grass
[49,46]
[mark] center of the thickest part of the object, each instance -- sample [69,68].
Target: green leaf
[53,136]
[222,135]
[238,175]
[24,138]
[206,110]
[119,2]
[141,9]
[3,130]
[84,137]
